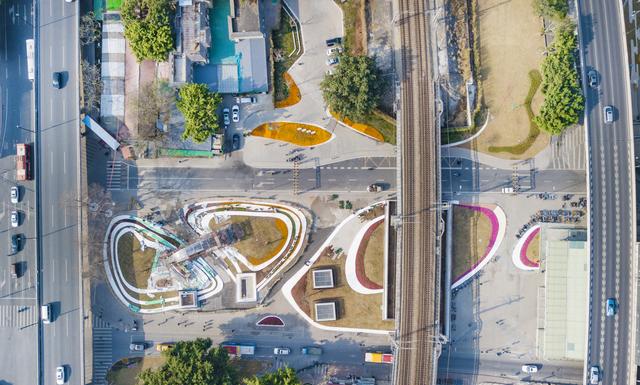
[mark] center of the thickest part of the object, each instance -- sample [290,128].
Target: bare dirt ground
[511,45]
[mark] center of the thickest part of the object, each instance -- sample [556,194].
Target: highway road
[58,132]
[18,304]
[611,168]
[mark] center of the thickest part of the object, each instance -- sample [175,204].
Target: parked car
[594,375]
[281,351]
[16,241]
[225,116]
[333,60]
[134,328]
[235,141]
[592,77]
[15,270]
[15,219]
[374,187]
[607,111]
[334,50]
[60,375]
[246,99]
[56,80]
[235,113]
[334,41]
[136,347]
[530,368]
[612,307]
[15,194]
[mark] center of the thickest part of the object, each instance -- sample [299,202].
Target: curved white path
[517,251]
[350,263]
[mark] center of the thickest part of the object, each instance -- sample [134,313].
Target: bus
[31,67]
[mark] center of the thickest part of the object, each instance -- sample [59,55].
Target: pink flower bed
[494,234]
[271,320]
[523,252]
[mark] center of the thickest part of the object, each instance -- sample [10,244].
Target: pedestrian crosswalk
[17,316]
[102,354]
[117,175]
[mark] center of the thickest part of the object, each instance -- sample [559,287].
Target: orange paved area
[364,129]
[296,133]
[294,93]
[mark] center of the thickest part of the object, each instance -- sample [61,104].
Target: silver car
[15,219]
[225,116]
[607,112]
[60,375]
[15,194]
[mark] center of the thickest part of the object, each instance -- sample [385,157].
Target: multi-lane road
[57,178]
[18,304]
[612,231]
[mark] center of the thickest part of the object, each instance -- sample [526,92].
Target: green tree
[556,9]
[198,105]
[147,27]
[563,101]
[194,363]
[353,90]
[284,376]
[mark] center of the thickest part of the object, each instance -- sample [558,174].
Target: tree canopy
[194,363]
[552,8]
[353,90]
[147,27]
[198,105]
[284,376]
[563,101]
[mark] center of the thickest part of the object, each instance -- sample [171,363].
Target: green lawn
[114,5]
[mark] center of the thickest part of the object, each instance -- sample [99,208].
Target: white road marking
[53,265]
[51,55]
[52,218]
[64,162]
[66,271]
[51,161]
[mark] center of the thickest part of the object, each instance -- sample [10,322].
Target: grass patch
[266,236]
[250,368]
[377,125]
[288,132]
[471,236]
[374,256]
[125,371]
[535,79]
[354,21]
[135,263]
[284,42]
[533,251]
[354,310]
[114,5]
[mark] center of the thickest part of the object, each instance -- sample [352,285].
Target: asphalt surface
[18,305]
[466,176]
[351,175]
[57,167]
[611,166]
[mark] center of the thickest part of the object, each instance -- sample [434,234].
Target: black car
[593,78]
[334,41]
[56,80]
[236,141]
[16,241]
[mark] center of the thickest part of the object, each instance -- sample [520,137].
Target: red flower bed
[360,272]
[271,320]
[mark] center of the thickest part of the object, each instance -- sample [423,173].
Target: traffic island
[478,231]
[300,134]
[526,254]
[328,291]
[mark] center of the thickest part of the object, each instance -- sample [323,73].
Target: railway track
[419,292]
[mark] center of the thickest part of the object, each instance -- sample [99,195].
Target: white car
[235,113]
[225,116]
[281,351]
[607,112]
[529,368]
[334,51]
[60,375]
[594,375]
[15,194]
[14,219]
[136,347]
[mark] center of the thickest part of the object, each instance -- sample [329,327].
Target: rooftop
[323,279]
[325,311]
[245,16]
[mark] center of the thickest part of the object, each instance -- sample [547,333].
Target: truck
[23,161]
[378,358]
[238,350]
[311,350]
